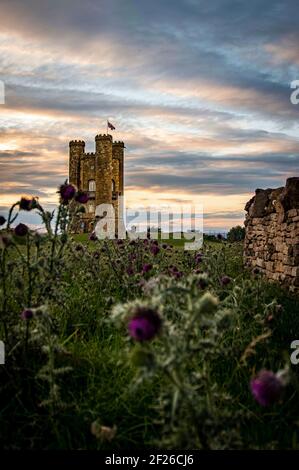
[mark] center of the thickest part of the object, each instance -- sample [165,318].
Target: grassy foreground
[75,378]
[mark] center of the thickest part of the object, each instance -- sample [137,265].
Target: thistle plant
[175,334]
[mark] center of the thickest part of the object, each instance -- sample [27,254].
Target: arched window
[91,185]
[113,185]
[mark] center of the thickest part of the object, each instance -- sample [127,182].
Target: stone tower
[100,173]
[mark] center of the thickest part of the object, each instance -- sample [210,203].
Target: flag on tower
[111,126]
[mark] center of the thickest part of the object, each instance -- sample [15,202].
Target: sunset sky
[198,90]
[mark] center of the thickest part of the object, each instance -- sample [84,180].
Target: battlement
[103,137]
[89,154]
[77,142]
[118,143]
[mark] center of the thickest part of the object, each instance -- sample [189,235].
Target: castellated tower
[77,148]
[100,173]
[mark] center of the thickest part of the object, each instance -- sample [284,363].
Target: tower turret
[103,162]
[77,148]
[118,154]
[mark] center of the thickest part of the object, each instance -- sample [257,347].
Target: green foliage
[74,378]
[236,234]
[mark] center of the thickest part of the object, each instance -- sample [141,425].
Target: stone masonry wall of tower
[100,173]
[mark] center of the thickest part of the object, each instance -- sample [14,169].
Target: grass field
[77,378]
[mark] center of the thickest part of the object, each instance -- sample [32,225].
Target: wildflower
[27,204]
[21,230]
[173,270]
[145,324]
[225,280]
[266,388]
[198,258]
[81,197]
[154,249]
[92,237]
[2,220]
[67,192]
[146,267]
[27,314]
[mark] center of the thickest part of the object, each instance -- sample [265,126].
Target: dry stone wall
[272,233]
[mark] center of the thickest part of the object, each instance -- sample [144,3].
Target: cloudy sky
[199,90]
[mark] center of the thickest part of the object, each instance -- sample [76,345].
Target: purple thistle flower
[67,192]
[198,258]
[225,280]
[146,267]
[266,388]
[145,324]
[2,220]
[27,203]
[81,197]
[27,314]
[21,230]
[154,249]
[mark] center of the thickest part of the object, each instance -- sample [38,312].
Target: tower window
[91,185]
